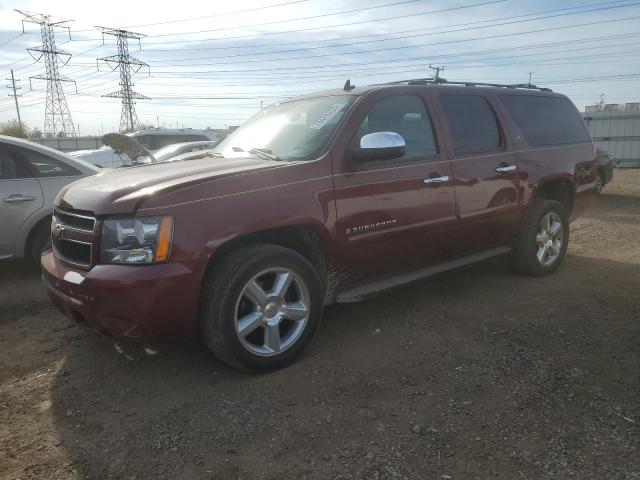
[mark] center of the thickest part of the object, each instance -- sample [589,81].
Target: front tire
[542,244]
[262,306]
[599,183]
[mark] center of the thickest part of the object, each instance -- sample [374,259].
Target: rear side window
[545,120]
[472,124]
[42,165]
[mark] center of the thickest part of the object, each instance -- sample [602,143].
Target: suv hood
[121,191]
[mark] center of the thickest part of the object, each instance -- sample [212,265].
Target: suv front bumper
[125,300]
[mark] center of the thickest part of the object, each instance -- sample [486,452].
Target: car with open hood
[152,140]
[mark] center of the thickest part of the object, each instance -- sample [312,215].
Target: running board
[376,287]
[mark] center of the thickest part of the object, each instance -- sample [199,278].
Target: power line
[360,22]
[11,40]
[223,14]
[305,67]
[384,35]
[235,72]
[379,68]
[387,39]
[491,2]
[310,17]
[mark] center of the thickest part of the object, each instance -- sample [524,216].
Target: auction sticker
[326,116]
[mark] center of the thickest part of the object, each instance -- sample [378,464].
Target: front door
[485,171]
[20,197]
[391,213]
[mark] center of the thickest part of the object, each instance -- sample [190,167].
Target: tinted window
[11,169]
[472,124]
[42,165]
[406,115]
[545,120]
[194,138]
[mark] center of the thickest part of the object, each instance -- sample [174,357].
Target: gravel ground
[476,374]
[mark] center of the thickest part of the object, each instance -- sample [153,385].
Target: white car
[31,175]
[152,139]
[166,154]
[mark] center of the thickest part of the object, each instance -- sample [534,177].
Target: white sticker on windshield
[326,116]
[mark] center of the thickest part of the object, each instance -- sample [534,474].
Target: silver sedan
[31,176]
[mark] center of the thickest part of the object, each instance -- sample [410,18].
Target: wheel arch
[28,230]
[310,241]
[559,189]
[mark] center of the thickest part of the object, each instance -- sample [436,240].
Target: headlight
[136,240]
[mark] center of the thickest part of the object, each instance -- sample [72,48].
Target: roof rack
[442,81]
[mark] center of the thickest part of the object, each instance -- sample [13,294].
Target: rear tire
[543,240]
[39,238]
[261,307]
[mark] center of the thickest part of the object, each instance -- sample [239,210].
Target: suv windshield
[297,130]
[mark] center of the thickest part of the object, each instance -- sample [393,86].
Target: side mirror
[380,146]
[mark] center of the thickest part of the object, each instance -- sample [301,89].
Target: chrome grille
[72,236]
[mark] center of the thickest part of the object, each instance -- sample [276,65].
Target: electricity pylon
[127,65]
[57,118]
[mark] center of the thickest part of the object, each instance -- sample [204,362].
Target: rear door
[51,173]
[485,172]
[390,219]
[20,197]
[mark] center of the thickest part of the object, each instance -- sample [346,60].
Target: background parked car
[31,175]
[168,153]
[605,168]
[152,139]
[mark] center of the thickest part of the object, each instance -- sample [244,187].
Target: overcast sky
[214,63]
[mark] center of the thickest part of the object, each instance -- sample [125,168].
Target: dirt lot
[474,375]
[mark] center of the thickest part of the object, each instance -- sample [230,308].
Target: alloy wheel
[599,184]
[549,239]
[272,312]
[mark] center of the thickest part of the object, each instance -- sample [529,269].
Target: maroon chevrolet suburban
[325,198]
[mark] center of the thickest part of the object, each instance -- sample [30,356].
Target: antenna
[57,118]
[127,65]
[347,86]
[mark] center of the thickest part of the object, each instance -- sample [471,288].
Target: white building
[616,129]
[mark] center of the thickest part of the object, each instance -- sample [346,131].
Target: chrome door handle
[437,179]
[505,168]
[18,198]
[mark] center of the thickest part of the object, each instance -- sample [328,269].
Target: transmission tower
[57,118]
[127,66]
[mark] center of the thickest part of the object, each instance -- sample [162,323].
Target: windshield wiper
[265,153]
[197,156]
[260,153]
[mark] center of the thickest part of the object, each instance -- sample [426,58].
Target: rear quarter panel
[574,163]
